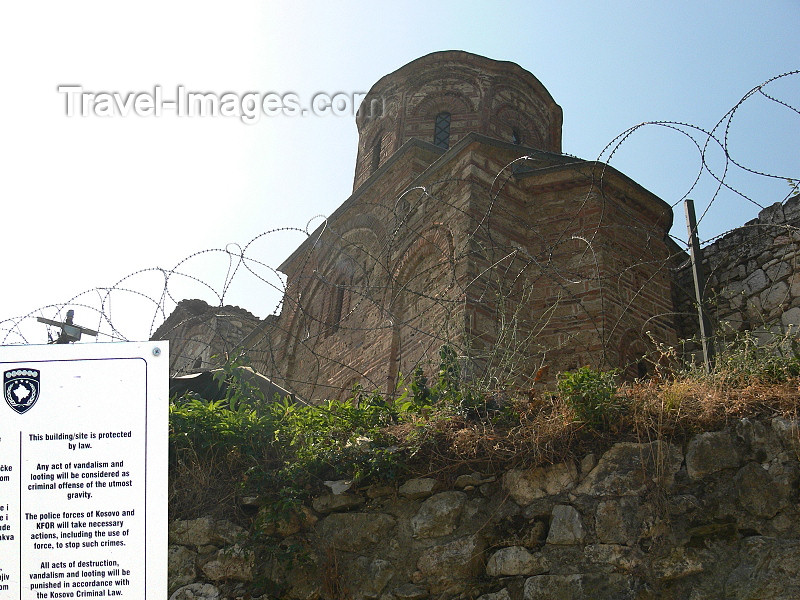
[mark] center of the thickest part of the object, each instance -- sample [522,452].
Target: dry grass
[448,437]
[547,431]
[207,485]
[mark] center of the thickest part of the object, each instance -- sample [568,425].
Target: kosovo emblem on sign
[21,389]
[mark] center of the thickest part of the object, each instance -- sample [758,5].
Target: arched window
[441,130]
[516,136]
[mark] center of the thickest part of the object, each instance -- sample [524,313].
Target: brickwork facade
[485,238]
[468,227]
[498,99]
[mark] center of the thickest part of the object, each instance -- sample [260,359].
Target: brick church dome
[441,97]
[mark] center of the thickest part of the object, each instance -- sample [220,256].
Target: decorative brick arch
[342,250]
[447,100]
[434,248]
[509,117]
[352,233]
[437,237]
[460,109]
[632,353]
[510,104]
[359,256]
[469,87]
[303,317]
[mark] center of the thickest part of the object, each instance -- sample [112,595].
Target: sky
[93,202]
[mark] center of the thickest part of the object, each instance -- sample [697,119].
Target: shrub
[280,450]
[591,394]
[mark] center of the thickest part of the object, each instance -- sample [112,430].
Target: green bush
[591,394]
[282,449]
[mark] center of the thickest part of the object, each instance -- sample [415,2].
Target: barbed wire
[512,273]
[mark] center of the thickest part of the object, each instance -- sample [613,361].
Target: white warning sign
[83,471]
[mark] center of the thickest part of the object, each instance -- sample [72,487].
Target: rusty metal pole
[699,284]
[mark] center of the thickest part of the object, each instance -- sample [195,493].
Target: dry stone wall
[203,337]
[753,276]
[714,518]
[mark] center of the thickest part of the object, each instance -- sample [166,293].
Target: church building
[468,227]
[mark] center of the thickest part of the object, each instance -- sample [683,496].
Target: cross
[69,331]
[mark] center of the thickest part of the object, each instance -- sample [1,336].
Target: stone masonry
[202,337]
[715,518]
[484,237]
[753,277]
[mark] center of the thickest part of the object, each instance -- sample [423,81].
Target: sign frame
[84,443]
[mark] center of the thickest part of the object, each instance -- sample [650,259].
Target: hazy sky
[89,200]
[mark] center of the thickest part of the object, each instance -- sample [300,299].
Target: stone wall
[715,518]
[203,337]
[753,277]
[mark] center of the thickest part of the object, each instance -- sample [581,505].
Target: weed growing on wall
[750,357]
[592,394]
[282,451]
[281,446]
[288,449]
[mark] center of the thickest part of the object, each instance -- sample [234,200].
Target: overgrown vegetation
[745,358]
[591,394]
[283,452]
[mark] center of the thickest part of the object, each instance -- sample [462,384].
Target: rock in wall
[752,274]
[715,518]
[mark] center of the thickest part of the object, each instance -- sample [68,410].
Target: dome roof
[441,97]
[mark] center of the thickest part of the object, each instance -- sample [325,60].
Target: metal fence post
[699,284]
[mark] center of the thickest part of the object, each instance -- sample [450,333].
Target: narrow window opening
[641,369]
[441,130]
[376,155]
[516,137]
[336,309]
